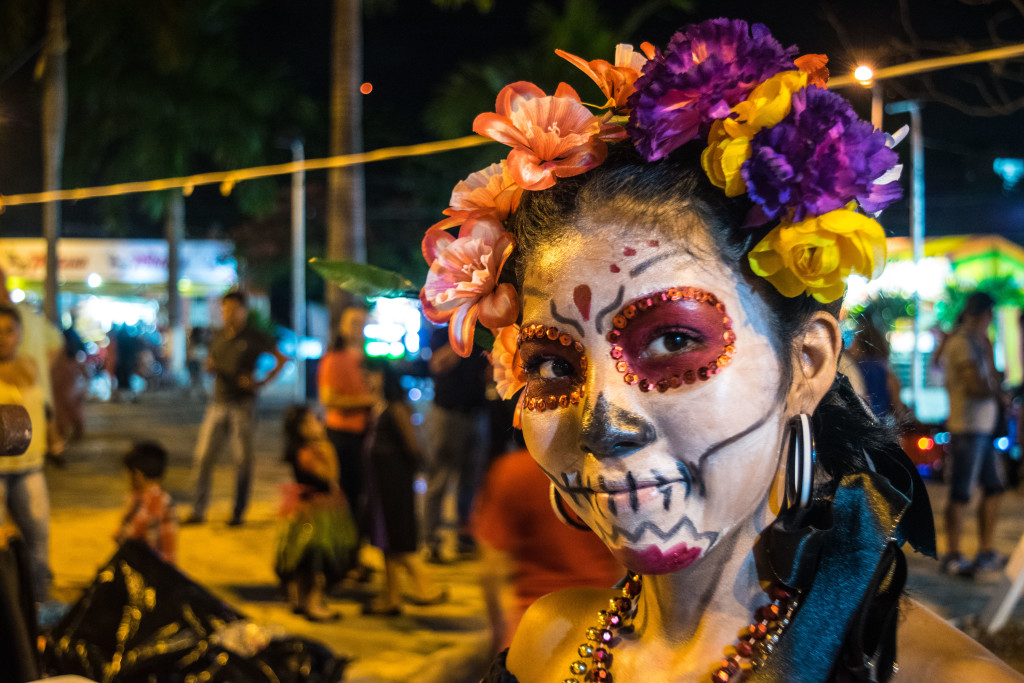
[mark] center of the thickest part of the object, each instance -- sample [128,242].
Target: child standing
[318,546]
[150,515]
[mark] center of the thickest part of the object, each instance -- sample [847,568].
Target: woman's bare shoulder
[552,630]
[932,650]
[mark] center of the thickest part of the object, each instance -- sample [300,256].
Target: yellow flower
[766,105]
[729,139]
[817,255]
[723,158]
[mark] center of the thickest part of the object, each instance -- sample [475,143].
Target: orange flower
[462,285]
[615,80]
[814,67]
[550,136]
[508,371]
[491,190]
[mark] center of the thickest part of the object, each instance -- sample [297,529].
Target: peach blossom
[491,190]
[551,136]
[462,285]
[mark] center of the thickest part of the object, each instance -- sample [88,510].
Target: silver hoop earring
[800,463]
[558,507]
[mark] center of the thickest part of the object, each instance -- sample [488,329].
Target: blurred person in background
[881,388]
[318,546]
[150,515]
[23,484]
[393,463]
[347,398]
[43,342]
[528,546]
[457,441]
[975,397]
[234,351]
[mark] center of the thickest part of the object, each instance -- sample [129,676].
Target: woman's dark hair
[11,311]
[662,192]
[977,304]
[293,439]
[148,457]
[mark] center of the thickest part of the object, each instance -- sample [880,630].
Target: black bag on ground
[143,620]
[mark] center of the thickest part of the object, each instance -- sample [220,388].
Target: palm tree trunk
[346,219]
[52,69]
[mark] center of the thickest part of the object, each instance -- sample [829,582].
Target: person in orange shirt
[522,540]
[346,395]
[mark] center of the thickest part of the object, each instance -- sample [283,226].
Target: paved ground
[444,643]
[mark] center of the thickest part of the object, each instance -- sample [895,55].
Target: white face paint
[662,474]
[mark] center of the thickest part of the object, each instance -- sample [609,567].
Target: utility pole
[913,107]
[52,68]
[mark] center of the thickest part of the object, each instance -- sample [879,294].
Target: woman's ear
[815,357]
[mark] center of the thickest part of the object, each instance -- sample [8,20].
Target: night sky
[409,52]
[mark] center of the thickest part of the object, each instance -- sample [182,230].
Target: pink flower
[615,80]
[508,371]
[491,190]
[550,136]
[462,285]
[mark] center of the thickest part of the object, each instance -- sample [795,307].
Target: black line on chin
[566,321]
[608,309]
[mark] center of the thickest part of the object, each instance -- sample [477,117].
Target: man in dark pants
[974,392]
[457,437]
[233,353]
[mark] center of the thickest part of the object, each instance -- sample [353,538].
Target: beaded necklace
[753,646]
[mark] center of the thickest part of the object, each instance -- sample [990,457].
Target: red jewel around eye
[645,385]
[574,397]
[616,352]
[578,347]
[689,376]
[619,321]
[614,335]
[629,311]
[565,340]
[622,366]
[630,378]
[643,304]
[552,333]
[563,401]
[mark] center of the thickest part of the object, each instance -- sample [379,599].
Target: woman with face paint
[663,281]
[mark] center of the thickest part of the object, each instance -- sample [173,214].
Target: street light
[865,75]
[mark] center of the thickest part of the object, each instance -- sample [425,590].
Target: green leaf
[365,280]
[483,338]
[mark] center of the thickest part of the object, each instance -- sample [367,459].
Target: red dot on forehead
[628,251]
[652,243]
[581,297]
[614,268]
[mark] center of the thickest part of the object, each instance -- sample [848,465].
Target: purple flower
[818,159]
[706,70]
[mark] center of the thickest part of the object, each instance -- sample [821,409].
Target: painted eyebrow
[567,321]
[609,309]
[641,267]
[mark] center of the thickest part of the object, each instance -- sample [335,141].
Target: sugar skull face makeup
[680,335]
[555,365]
[669,462]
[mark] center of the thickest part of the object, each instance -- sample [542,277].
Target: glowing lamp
[925,443]
[864,74]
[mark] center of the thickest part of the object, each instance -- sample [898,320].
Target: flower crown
[773,132]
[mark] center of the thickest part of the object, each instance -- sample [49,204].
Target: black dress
[393,467]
